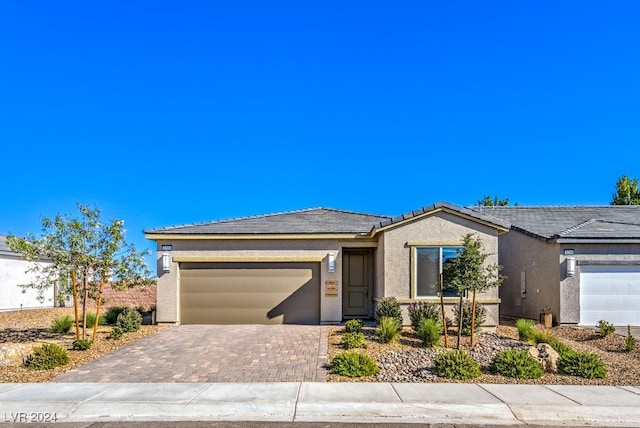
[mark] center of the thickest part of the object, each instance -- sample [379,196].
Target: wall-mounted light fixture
[571,266]
[331,262]
[166,262]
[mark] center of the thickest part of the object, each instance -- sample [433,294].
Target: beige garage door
[250,293]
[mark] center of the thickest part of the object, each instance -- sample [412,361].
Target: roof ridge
[576,227]
[258,216]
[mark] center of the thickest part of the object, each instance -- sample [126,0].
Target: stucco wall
[532,271]
[588,254]
[249,250]
[13,297]
[439,229]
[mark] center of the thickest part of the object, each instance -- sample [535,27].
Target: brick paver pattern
[215,353]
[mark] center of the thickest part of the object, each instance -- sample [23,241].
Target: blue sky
[164,113]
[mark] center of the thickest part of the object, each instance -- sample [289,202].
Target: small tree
[88,250]
[627,192]
[469,272]
[487,201]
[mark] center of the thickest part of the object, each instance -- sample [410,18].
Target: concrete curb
[459,404]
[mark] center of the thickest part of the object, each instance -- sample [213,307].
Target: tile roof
[443,205]
[309,221]
[571,222]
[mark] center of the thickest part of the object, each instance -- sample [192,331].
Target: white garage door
[610,293]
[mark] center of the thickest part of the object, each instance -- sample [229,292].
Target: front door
[357,281]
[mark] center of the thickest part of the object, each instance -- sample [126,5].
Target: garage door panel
[243,293]
[610,293]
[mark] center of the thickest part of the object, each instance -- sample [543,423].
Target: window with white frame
[428,265]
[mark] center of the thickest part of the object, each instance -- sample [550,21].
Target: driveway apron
[214,353]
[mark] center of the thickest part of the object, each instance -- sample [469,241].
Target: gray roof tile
[445,205]
[309,221]
[578,222]
[3,244]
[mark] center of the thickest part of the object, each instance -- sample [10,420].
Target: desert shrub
[116,332]
[423,310]
[456,365]
[525,329]
[81,344]
[112,314]
[354,340]
[583,364]
[544,336]
[62,324]
[91,320]
[353,326]
[388,307]
[129,321]
[466,317]
[389,329]
[353,364]
[47,356]
[605,327]
[629,341]
[429,331]
[517,364]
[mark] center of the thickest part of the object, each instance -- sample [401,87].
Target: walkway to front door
[215,353]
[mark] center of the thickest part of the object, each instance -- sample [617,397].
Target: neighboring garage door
[610,293]
[250,293]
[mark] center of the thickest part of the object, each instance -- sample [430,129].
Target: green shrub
[354,340]
[81,344]
[466,317]
[353,326]
[389,329]
[47,356]
[629,341]
[353,364]
[388,307]
[423,310]
[517,364]
[129,321]
[112,314]
[583,364]
[62,324]
[525,329]
[605,327]
[91,320]
[456,365]
[429,331]
[116,332]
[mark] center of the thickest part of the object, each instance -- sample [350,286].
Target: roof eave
[155,236]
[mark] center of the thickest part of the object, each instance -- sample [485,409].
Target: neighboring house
[582,263]
[13,269]
[312,266]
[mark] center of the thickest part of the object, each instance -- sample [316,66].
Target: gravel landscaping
[408,361]
[20,331]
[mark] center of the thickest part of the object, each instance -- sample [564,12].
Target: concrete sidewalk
[459,404]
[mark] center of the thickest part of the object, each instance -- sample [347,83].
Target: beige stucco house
[581,263]
[312,266]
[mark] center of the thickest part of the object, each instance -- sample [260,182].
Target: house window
[429,262]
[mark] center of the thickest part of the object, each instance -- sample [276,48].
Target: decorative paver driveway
[215,353]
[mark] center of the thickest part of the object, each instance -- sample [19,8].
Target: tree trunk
[85,298]
[95,325]
[74,286]
[444,317]
[460,321]
[473,317]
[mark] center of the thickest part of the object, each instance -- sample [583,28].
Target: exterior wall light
[166,262]
[571,266]
[331,262]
